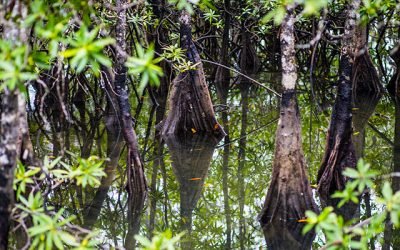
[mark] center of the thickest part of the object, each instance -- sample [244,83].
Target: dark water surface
[196,183]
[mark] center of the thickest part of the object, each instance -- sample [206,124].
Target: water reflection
[106,208]
[191,156]
[281,235]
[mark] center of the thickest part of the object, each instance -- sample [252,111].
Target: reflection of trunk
[136,186]
[339,151]
[225,190]
[244,90]
[249,65]
[190,107]
[114,148]
[394,91]
[161,94]
[135,211]
[222,84]
[367,89]
[191,156]
[284,236]
[289,194]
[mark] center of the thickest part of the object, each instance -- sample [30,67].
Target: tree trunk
[339,150]
[222,82]
[189,106]
[222,78]
[244,91]
[289,194]
[367,89]
[8,159]
[394,90]
[15,142]
[136,183]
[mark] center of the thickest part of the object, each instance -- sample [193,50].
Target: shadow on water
[191,156]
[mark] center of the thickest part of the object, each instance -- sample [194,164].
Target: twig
[245,76]
[383,136]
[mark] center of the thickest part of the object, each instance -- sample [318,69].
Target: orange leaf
[194,179]
[302,220]
[216,126]
[194,131]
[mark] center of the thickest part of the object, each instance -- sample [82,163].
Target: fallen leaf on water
[194,179]
[194,131]
[314,186]
[356,133]
[216,126]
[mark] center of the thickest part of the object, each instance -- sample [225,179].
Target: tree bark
[8,159]
[339,150]
[367,89]
[15,142]
[289,194]
[222,78]
[136,183]
[189,106]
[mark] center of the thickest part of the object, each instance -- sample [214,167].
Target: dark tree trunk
[15,143]
[191,157]
[339,150]
[394,90]
[136,183]
[289,195]
[222,82]
[244,90]
[9,128]
[222,78]
[190,108]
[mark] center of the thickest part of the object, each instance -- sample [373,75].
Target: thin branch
[245,76]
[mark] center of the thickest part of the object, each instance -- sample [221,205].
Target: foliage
[184,4]
[69,44]
[361,178]
[86,49]
[161,241]
[145,66]
[85,172]
[14,69]
[342,235]
[50,229]
[310,7]
[177,56]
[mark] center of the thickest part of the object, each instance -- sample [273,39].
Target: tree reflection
[191,157]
